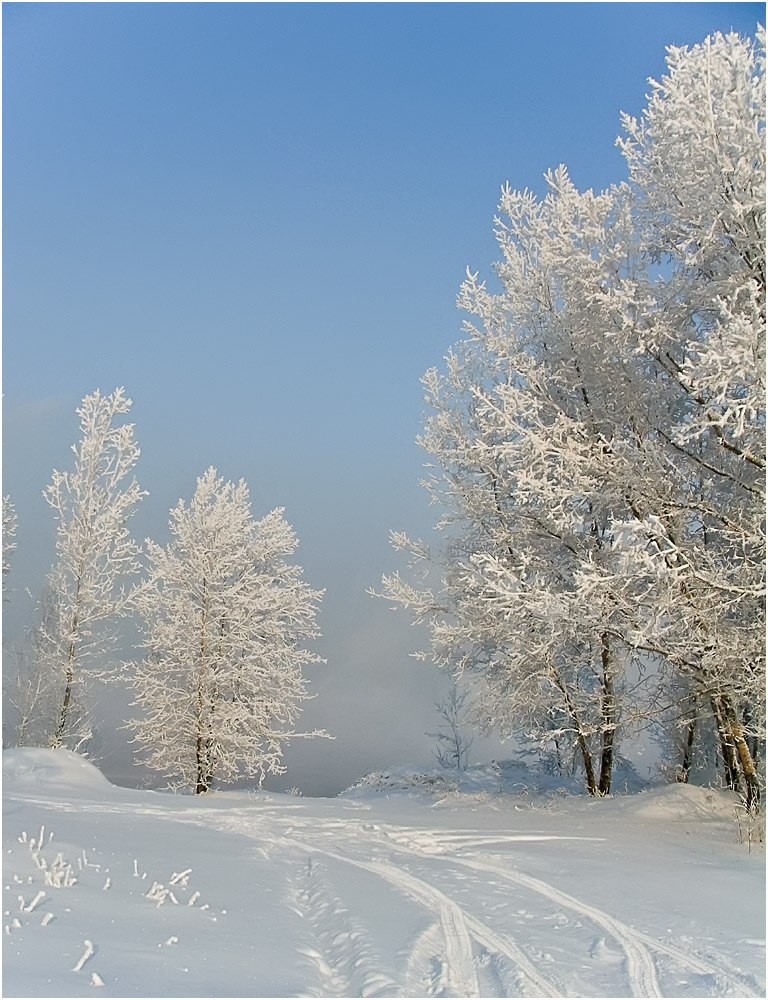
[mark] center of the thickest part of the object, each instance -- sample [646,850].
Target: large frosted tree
[599,438]
[225,618]
[697,172]
[89,583]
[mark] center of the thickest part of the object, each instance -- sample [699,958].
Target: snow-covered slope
[122,893]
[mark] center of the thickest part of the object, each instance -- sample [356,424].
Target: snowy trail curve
[458,927]
[642,971]
[635,944]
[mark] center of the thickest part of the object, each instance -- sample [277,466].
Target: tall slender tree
[88,585]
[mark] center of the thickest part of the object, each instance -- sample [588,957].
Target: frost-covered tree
[599,438]
[95,559]
[225,617]
[697,173]
[518,437]
[10,523]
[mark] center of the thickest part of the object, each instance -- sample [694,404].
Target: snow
[383,891]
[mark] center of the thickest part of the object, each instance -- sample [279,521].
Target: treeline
[223,618]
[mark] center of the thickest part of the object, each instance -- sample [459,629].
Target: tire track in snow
[640,966]
[695,964]
[635,943]
[458,927]
[429,843]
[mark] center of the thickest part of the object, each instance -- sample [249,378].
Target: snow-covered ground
[124,893]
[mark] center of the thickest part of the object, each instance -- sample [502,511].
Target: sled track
[640,966]
[458,927]
[456,924]
[634,943]
[642,972]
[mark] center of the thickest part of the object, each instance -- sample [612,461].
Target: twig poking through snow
[31,905]
[85,956]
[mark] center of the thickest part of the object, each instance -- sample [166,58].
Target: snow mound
[26,768]
[496,778]
[403,779]
[682,802]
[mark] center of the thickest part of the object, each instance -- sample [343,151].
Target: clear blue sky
[256,218]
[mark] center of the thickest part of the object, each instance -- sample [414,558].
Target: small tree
[95,555]
[452,745]
[224,618]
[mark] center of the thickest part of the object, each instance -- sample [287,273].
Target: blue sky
[256,218]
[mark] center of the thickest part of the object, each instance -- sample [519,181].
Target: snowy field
[124,893]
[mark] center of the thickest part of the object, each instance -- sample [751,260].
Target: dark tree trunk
[581,739]
[685,767]
[608,711]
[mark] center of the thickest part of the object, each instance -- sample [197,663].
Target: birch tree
[89,583]
[225,618]
[599,437]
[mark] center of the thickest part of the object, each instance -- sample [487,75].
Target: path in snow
[455,965]
[141,894]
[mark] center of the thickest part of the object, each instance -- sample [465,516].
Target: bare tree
[452,744]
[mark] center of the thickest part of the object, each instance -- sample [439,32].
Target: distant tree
[452,745]
[224,618]
[599,439]
[32,683]
[10,523]
[95,559]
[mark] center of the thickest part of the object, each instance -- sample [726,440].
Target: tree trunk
[609,713]
[588,768]
[741,773]
[202,768]
[727,752]
[685,767]
[745,761]
[580,737]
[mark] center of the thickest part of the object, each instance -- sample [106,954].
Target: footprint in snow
[602,953]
